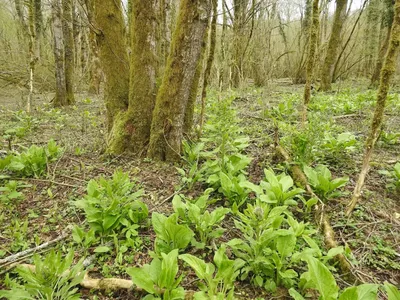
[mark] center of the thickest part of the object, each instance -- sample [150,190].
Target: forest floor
[46,208]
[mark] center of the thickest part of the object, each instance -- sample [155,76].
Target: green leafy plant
[54,277]
[110,205]
[9,192]
[217,279]
[169,234]
[389,138]
[82,237]
[319,277]
[159,278]
[394,177]
[17,232]
[205,224]
[337,148]
[392,292]
[33,161]
[277,189]
[192,152]
[266,248]
[321,180]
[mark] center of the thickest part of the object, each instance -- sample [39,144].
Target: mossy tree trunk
[333,45]
[132,129]
[110,36]
[371,36]
[178,80]
[58,49]
[313,35]
[389,68]
[69,47]
[387,20]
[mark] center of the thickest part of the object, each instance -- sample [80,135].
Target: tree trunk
[300,76]
[333,45]
[387,20]
[132,128]
[58,48]
[110,34]
[32,51]
[379,62]
[210,60]
[69,48]
[239,8]
[95,72]
[387,73]
[313,34]
[38,17]
[179,77]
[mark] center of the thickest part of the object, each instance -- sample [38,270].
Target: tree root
[321,219]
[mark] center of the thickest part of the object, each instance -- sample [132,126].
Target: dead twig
[30,251]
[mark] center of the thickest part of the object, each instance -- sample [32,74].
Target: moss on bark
[314,29]
[389,68]
[69,47]
[180,73]
[110,26]
[333,45]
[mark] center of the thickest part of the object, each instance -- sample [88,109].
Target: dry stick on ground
[26,252]
[321,219]
[387,72]
[310,60]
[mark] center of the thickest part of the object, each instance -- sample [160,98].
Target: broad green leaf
[295,294]
[198,265]
[102,249]
[169,269]
[392,292]
[286,182]
[322,279]
[141,279]
[311,175]
[271,178]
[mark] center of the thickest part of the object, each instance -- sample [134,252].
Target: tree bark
[69,47]
[210,60]
[110,35]
[300,76]
[179,76]
[132,129]
[333,45]
[95,72]
[311,59]
[387,73]
[387,20]
[58,49]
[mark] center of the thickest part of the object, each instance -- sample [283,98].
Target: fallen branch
[30,251]
[321,219]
